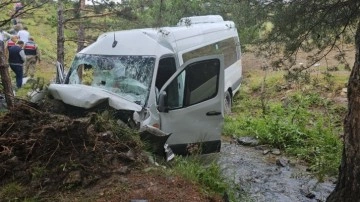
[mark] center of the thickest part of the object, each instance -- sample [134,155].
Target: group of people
[22,53]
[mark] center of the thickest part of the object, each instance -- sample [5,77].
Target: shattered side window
[126,76]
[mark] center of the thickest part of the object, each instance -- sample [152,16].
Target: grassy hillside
[41,27]
[301,114]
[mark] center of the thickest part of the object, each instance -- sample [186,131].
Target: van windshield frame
[127,76]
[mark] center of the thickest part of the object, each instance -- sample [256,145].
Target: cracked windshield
[126,76]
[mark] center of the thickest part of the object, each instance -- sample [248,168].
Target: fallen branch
[57,147]
[9,128]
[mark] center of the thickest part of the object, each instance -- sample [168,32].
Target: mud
[36,145]
[262,179]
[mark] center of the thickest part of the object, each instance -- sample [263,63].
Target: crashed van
[177,79]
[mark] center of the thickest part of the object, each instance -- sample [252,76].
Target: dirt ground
[57,157]
[251,61]
[253,64]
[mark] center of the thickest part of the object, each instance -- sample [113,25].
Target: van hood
[87,97]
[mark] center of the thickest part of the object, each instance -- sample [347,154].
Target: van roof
[129,42]
[161,41]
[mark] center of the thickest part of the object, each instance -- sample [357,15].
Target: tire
[227,103]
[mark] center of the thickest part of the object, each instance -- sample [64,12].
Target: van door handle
[213,113]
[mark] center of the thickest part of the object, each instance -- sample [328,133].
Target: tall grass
[208,175]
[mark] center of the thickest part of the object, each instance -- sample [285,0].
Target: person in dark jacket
[16,60]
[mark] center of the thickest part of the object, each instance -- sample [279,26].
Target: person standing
[16,60]
[18,6]
[17,9]
[24,34]
[32,56]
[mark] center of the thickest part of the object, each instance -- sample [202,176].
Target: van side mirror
[162,106]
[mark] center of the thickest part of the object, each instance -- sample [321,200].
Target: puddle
[263,180]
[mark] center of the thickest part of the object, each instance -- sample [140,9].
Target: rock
[266,151]
[343,92]
[233,140]
[248,141]
[307,193]
[283,162]
[276,151]
[262,147]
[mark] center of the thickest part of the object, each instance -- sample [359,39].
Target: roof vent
[187,21]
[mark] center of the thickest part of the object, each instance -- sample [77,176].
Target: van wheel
[227,103]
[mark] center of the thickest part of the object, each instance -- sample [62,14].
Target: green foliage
[107,121]
[313,27]
[302,123]
[247,16]
[328,78]
[38,172]
[209,175]
[12,192]
[166,13]
[298,76]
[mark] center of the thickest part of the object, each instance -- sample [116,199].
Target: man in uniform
[32,56]
[9,43]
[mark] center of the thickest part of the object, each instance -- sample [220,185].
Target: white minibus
[178,79]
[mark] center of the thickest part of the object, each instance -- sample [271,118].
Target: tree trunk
[60,33]
[5,78]
[81,31]
[348,185]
